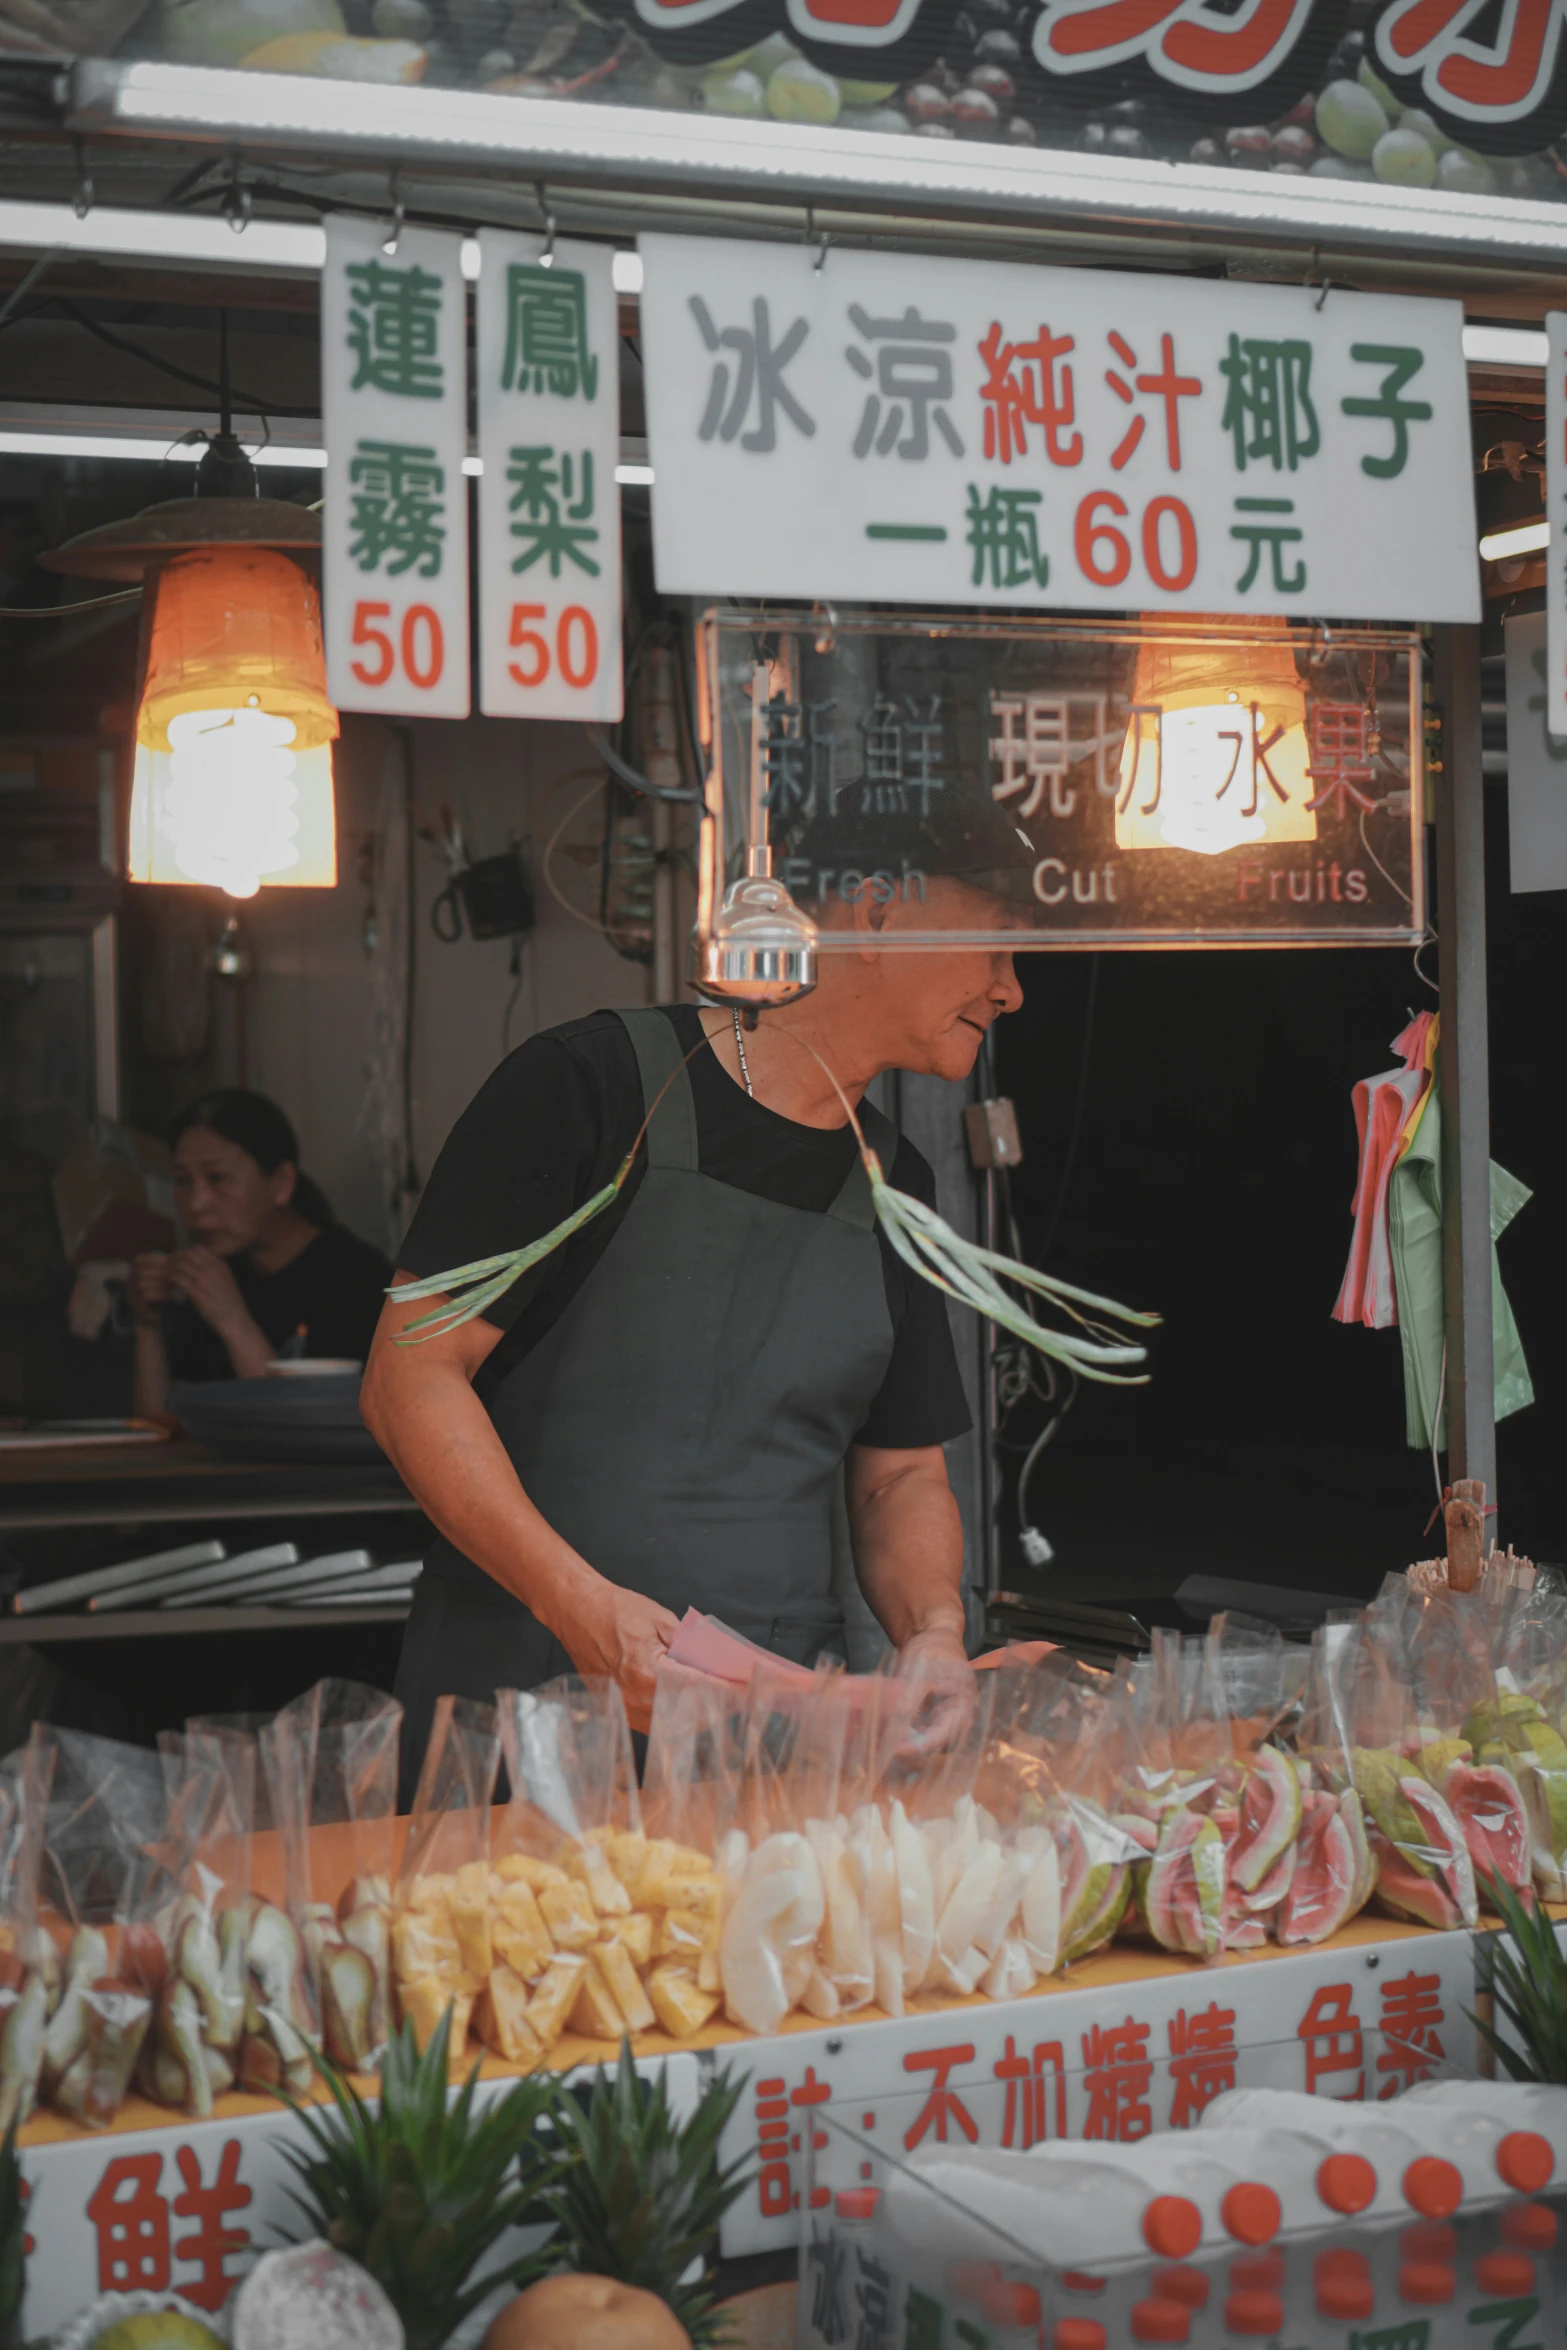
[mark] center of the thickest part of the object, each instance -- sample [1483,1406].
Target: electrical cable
[1393,885]
[588,921]
[1434,985]
[511,1000]
[629,776]
[64,611]
[184,375]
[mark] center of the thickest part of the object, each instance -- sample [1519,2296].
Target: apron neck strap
[671,1138]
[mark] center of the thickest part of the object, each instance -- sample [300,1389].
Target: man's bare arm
[418,1402]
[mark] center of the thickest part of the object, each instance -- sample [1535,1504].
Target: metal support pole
[1464,1063]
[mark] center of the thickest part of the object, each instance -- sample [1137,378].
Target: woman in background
[266,1266]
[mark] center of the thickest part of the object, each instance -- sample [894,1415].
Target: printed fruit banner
[1414,93]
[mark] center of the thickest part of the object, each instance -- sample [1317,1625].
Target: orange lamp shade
[232,785]
[231,626]
[1216,755]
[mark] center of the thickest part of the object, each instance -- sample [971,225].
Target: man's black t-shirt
[550,1127]
[334,1287]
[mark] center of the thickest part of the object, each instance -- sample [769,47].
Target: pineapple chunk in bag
[626,1851]
[635,1934]
[594,2011]
[680,2004]
[614,1965]
[424,2002]
[589,1865]
[471,1917]
[521,1868]
[424,1943]
[501,2017]
[517,1929]
[568,1912]
[555,1996]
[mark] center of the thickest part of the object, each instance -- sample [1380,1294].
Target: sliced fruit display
[1321,1895]
[1544,1792]
[1489,1808]
[1269,1818]
[1184,1896]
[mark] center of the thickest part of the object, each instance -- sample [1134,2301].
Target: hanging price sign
[549,511]
[394,403]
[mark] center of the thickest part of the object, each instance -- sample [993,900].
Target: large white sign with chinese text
[907,429]
[394,408]
[1112,2060]
[549,510]
[1556,522]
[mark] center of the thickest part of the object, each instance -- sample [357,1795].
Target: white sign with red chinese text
[1556,523]
[394,409]
[1110,2061]
[549,510]
[916,430]
[186,2208]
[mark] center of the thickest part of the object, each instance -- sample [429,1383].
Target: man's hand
[149,1288]
[942,1689]
[623,1637]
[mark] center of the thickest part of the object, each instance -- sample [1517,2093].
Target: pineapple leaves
[419,2191]
[1525,1974]
[642,2195]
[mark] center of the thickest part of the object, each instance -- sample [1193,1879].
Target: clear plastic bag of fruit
[1334,1874]
[1259,1804]
[575,1896]
[1473,1742]
[331,1768]
[692,1806]
[204,2017]
[441,1951]
[1043,1711]
[29,1956]
[1528,1632]
[108,1892]
[1424,1873]
[1179,1797]
[776,1902]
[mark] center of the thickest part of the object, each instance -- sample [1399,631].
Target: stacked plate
[314,1418]
[202,1574]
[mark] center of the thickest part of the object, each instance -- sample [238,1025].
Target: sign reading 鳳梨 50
[902,429]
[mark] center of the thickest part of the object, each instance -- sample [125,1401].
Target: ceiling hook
[393,237]
[547,257]
[236,200]
[81,202]
[818,238]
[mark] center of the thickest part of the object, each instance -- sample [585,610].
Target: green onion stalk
[924,1240]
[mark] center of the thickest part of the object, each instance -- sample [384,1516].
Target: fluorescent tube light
[113,233]
[145,452]
[1529,538]
[1506,346]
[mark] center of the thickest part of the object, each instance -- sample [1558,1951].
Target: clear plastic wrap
[352,1810]
[1424,1871]
[1463,1728]
[1334,1874]
[441,1955]
[574,1918]
[1529,1654]
[202,2022]
[109,1890]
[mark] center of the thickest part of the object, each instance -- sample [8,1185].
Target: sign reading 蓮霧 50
[901,429]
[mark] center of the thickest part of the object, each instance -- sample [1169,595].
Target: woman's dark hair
[256,1125]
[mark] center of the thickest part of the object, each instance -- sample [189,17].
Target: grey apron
[685,1423]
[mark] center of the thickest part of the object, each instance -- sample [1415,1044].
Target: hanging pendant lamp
[1216,754]
[232,785]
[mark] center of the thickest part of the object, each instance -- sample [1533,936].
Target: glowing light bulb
[232,803]
[1198,809]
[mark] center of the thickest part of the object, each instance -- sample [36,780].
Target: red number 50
[576,646]
[422,642]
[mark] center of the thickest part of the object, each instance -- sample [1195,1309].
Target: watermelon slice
[1441,1843]
[1490,1810]
[1321,1895]
[1275,1884]
[1270,1818]
[1404,1892]
[1354,1819]
[1185,1889]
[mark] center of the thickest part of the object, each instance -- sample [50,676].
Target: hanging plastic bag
[110,1893]
[441,1955]
[30,1984]
[573,1924]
